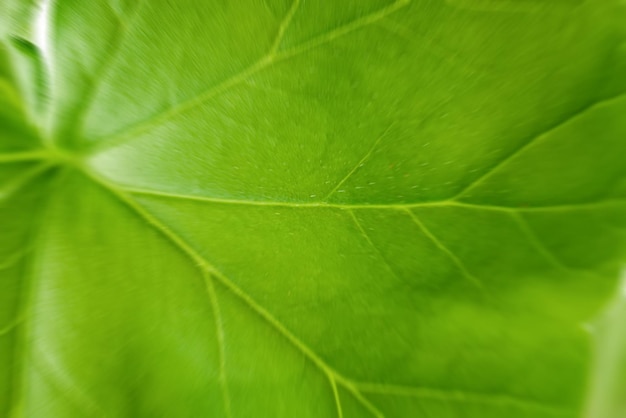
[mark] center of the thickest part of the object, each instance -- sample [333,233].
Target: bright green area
[408,209]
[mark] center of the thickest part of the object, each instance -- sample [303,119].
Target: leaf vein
[459,264]
[199,260]
[461,396]
[333,385]
[75,121]
[284,25]
[24,156]
[548,255]
[17,183]
[265,61]
[359,164]
[10,327]
[219,330]
[535,139]
[598,204]
[371,243]
[347,28]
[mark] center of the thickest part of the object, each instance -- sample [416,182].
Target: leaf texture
[311,209]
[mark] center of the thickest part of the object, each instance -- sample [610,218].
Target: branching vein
[350,27]
[24,156]
[444,249]
[358,165]
[535,139]
[532,237]
[371,243]
[462,397]
[10,188]
[75,121]
[271,57]
[284,25]
[333,385]
[10,327]
[219,331]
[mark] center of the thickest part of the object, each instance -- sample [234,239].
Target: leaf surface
[281,209]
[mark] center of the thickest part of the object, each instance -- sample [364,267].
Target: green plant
[312,209]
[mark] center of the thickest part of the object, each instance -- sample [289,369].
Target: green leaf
[608,390]
[314,209]
[16,16]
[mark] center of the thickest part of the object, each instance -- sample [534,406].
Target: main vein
[603,203]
